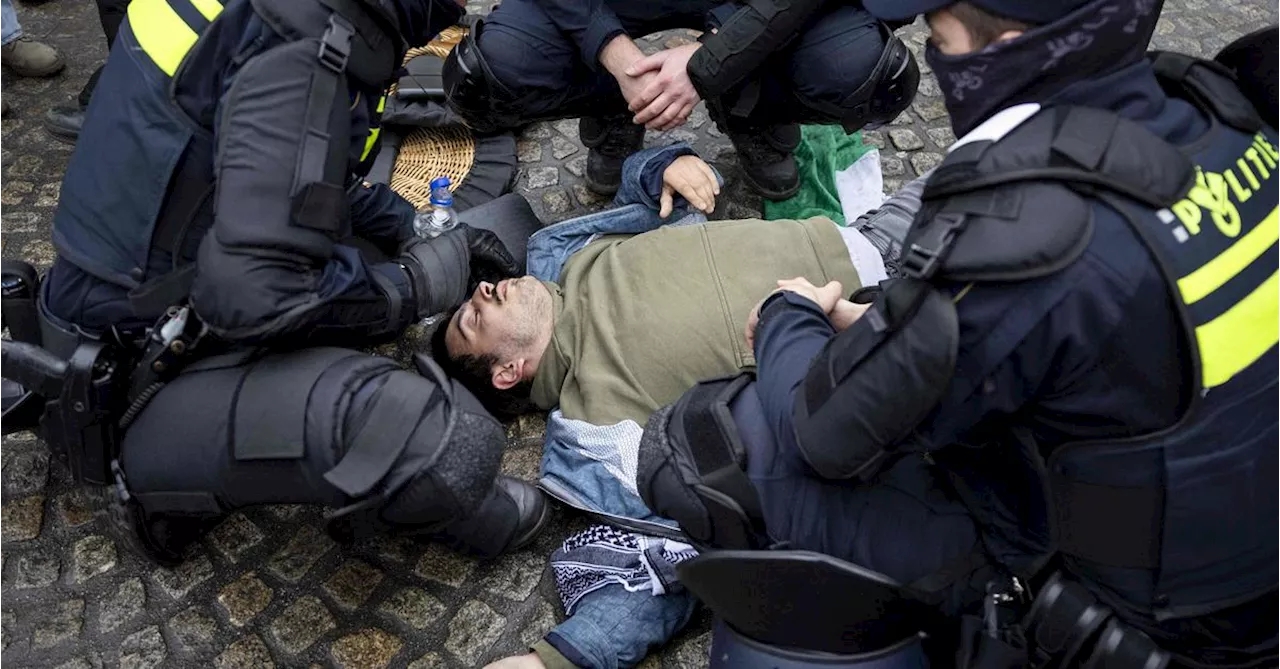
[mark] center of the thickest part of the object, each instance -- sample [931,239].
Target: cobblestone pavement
[267,587]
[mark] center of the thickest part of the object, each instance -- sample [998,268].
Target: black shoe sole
[62,135]
[600,188]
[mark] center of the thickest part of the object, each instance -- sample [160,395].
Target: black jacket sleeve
[589,23]
[270,266]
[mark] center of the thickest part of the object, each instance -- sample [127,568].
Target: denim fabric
[12,28]
[613,628]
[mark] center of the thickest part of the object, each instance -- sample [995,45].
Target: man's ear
[506,375]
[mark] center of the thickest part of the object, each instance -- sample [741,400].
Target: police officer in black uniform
[204,212]
[1079,350]
[763,66]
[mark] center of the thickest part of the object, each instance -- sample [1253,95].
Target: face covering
[1097,38]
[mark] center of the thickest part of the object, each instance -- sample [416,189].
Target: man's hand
[694,179]
[617,57]
[666,101]
[827,298]
[846,313]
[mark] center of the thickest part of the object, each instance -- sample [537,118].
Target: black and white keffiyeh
[601,556]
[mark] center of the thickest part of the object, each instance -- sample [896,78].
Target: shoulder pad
[1018,207]
[1209,85]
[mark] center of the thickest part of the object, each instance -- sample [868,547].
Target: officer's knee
[830,65]
[460,478]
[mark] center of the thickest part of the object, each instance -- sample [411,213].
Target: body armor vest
[1174,524]
[139,198]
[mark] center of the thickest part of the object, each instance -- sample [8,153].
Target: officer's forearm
[618,54]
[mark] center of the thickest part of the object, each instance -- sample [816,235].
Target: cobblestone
[302,624]
[74,600]
[128,602]
[143,650]
[93,556]
[366,649]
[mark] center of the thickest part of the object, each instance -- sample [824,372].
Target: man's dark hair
[475,373]
[983,26]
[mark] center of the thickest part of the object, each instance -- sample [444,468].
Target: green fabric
[641,318]
[823,151]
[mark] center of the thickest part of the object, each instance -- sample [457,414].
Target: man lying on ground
[625,310]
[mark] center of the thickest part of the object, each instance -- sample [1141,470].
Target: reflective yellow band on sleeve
[382,104]
[161,33]
[1213,274]
[370,142]
[208,8]
[1232,341]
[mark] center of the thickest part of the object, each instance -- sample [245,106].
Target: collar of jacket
[552,370]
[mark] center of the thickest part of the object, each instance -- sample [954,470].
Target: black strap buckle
[335,45]
[922,260]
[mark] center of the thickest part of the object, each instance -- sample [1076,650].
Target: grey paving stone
[234,536]
[366,649]
[21,519]
[31,569]
[302,624]
[529,151]
[143,650]
[413,607]
[244,598]
[293,561]
[93,556]
[25,471]
[442,565]
[128,602]
[62,622]
[541,177]
[352,583]
[562,148]
[905,139]
[193,630]
[431,660]
[177,582]
[247,653]
[513,576]
[473,630]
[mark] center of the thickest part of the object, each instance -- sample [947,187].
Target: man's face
[949,35]
[500,320]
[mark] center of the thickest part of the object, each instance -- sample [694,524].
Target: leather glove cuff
[438,270]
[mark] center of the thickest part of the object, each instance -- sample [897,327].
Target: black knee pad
[691,468]
[472,90]
[462,475]
[886,93]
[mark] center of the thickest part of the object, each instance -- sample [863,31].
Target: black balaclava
[421,20]
[1098,38]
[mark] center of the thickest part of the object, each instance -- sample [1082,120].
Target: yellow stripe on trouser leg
[209,8]
[1215,273]
[161,33]
[1232,341]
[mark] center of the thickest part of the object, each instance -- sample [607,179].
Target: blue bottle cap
[440,182]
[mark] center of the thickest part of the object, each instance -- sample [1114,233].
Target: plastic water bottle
[434,221]
[439,217]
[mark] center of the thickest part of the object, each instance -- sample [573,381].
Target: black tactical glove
[444,270]
[490,259]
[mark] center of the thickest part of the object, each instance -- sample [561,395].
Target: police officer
[762,66]
[202,217]
[1080,351]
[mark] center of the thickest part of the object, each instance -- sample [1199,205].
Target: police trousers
[324,426]
[548,80]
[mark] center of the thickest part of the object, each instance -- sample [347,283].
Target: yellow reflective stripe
[161,33]
[372,139]
[1213,274]
[370,143]
[209,8]
[1232,341]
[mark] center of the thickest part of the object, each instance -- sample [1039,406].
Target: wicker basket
[430,153]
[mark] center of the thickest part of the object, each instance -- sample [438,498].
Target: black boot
[768,161]
[64,122]
[156,537]
[609,140]
[508,519]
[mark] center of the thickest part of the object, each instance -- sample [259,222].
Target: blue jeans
[613,628]
[9,19]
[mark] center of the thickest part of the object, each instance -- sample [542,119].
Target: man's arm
[270,265]
[381,216]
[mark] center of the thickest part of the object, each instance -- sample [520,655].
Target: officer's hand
[846,313]
[490,259]
[827,298]
[667,101]
[693,178]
